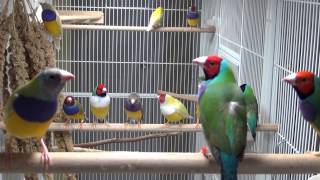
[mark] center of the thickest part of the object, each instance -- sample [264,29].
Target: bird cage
[264,41]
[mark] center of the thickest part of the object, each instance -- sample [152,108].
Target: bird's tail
[229,165]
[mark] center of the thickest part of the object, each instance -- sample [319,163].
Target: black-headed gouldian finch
[172,109]
[100,103]
[133,108]
[73,110]
[156,19]
[223,114]
[193,16]
[52,23]
[31,107]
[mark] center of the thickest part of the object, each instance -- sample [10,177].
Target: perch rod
[119,127]
[107,162]
[137,28]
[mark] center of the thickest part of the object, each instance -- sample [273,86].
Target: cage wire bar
[126,62]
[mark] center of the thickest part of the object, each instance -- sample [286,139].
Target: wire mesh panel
[126,62]
[297,49]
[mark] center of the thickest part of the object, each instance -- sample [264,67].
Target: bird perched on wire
[133,108]
[172,109]
[31,107]
[223,114]
[156,19]
[73,110]
[100,103]
[307,87]
[193,16]
[52,23]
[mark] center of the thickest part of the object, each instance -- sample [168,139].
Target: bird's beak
[291,79]
[157,96]
[132,101]
[66,75]
[104,90]
[200,60]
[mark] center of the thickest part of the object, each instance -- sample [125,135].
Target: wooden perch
[180,96]
[120,140]
[120,127]
[138,28]
[96,17]
[75,162]
[76,149]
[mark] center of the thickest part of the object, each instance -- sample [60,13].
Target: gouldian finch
[193,16]
[30,108]
[307,86]
[223,114]
[73,110]
[156,19]
[52,23]
[252,108]
[172,109]
[100,103]
[133,108]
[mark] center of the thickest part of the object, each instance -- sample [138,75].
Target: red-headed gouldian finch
[223,114]
[193,17]
[100,103]
[307,86]
[156,19]
[133,108]
[31,107]
[172,109]
[52,23]
[73,110]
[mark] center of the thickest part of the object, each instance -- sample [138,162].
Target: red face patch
[162,98]
[99,89]
[304,82]
[212,66]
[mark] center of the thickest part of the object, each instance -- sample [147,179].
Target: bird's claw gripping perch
[45,157]
[205,152]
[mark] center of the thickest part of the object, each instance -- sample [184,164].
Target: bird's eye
[212,63]
[304,79]
[52,76]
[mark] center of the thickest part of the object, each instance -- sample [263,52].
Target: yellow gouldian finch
[156,19]
[172,109]
[100,103]
[73,110]
[52,23]
[193,17]
[133,108]
[31,107]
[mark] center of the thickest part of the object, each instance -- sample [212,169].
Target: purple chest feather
[308,111]
[132,107]
[201,89]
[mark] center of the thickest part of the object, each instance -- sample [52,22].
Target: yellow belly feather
[20,128]
[134,115]
[100,113]
[174,117]
[53,28]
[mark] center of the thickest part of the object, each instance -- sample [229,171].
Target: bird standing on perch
[156,19]
[252,108]
[193,16]
[133,108]
[73,110]
[31,107]
[172,109]
[223,114]
[100,103]
[52,23]
[307,86]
